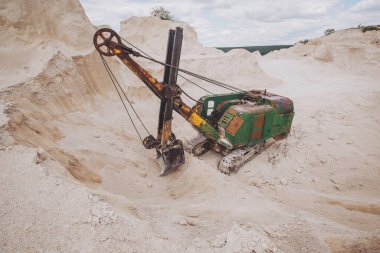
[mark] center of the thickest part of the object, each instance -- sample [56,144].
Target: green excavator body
[247,118]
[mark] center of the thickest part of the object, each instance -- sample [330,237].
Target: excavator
[236,124]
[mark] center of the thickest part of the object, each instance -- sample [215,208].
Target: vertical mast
[173,52]
[168,60]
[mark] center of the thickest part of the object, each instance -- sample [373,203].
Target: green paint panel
[267,129]
[209,131]
[242,136]
[234,115]
[216,100]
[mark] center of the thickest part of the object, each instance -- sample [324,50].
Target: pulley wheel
[102,41]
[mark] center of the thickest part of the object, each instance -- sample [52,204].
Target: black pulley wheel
[104,39]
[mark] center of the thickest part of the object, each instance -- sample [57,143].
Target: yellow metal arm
[159,90]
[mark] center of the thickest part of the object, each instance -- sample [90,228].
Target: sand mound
[32,32]
[151,34]
[346,49]
[26,22]
[95,186]
[238,67]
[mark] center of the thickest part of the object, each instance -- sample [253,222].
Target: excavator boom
[170,151]
[236,124]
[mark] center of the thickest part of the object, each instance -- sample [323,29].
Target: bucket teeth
[171,157]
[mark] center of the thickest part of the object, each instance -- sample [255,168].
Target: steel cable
[116,83]
[148,57]
[215,82]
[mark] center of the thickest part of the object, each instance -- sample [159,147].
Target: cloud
[366,5]
[245,22]
[273,10]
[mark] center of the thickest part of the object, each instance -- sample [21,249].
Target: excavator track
[197,146]
[238,157]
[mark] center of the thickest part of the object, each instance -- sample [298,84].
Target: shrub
[161,12]
[369,28]
[329,31]
[305,41]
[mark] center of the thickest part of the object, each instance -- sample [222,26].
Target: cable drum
[102,37]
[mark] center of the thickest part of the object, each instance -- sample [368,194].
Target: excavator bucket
[171,157]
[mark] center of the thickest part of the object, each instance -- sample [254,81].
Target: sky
[223,23]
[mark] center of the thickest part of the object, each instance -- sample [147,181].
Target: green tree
[329,31]
[161,12]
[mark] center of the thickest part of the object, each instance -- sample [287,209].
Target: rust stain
[141,72]
[281,137]
[258,127]
[234,125]
[166,131]
[182,108]
[221,104]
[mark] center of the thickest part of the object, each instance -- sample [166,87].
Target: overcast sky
[245,22]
